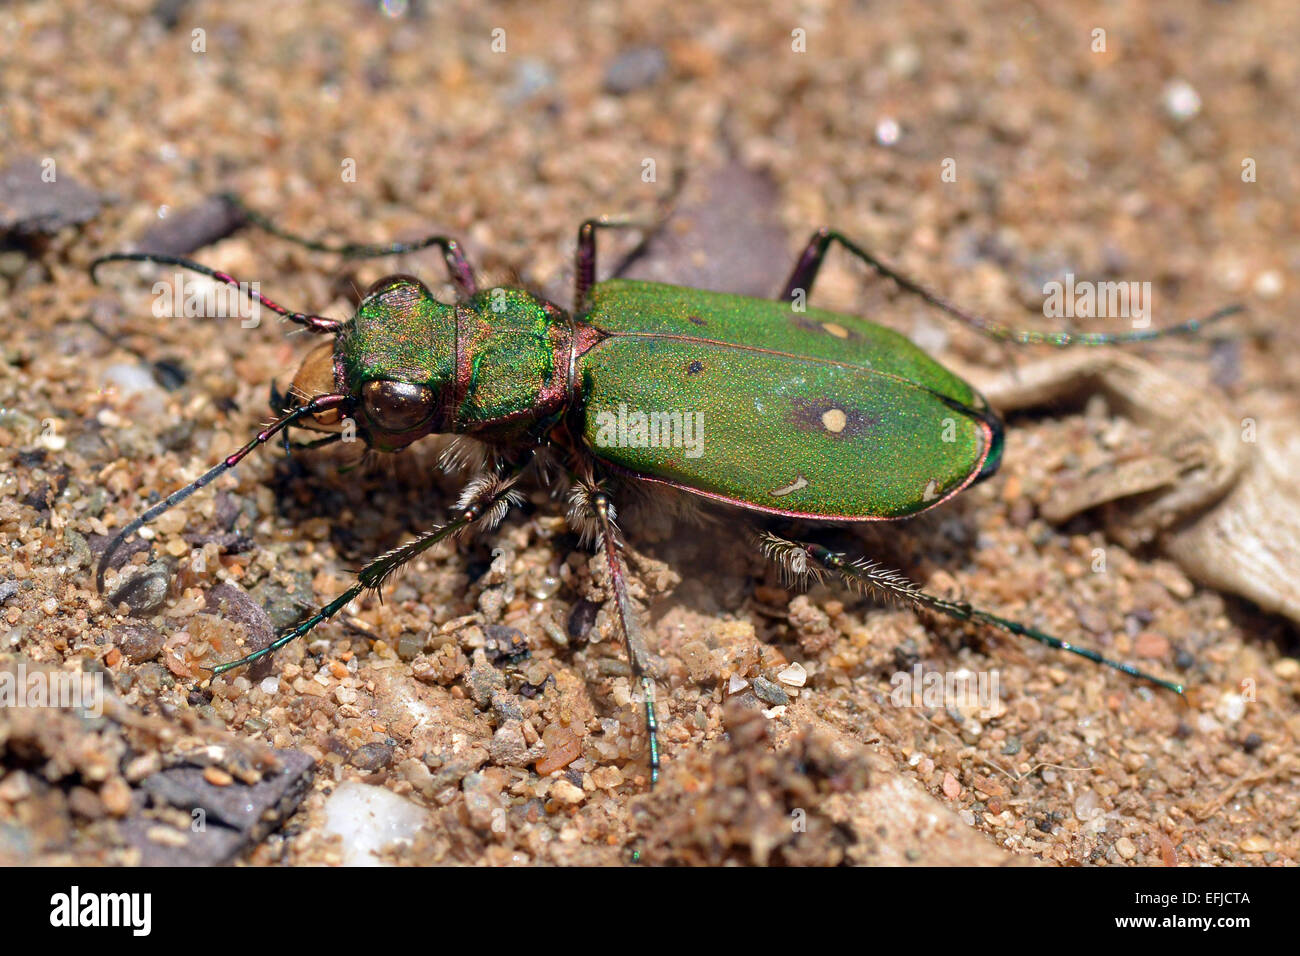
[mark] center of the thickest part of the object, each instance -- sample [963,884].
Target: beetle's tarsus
[481,502]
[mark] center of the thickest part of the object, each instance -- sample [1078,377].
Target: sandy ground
[487,695]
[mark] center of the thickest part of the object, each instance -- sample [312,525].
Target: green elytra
[801,413]
[793,412]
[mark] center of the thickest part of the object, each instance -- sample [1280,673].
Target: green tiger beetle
[810,415]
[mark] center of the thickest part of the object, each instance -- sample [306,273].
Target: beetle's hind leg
[592,512]
[810,262]
[801,560]
[482,505]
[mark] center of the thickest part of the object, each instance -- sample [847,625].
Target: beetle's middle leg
[801,560]
[591,510]
[584,272]
[482,505]
[584,257]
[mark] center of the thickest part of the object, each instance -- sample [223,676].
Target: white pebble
[736,684]
[368,819]
[1268,284]
[1230,708]
[1182,102]
[793,676]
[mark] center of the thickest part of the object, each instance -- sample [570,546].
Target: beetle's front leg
[584,272]
[592,512]
[482,505]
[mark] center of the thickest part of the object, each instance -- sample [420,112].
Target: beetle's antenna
[800,558]
[458,267]
[313,323]
[323,403]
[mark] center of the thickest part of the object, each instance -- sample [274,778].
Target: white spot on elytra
[799,482]
[834,419]
[835,329]
[932,490]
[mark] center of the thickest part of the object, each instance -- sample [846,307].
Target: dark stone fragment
[581,619]
[371,757]
[505,644]
[234,604]
[232,819]
[635,69]
[31,206]
[193,227]
[733,223]
[145,591]
[230,542]
[139,642]
[769,692]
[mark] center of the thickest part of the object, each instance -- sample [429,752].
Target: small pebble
[372,757]
[1268,284]
[951,788]
[409,646]
[770,693]
[139,642]
[793,676]
[887,131]
[566,792]
[1287,668]
[30,205]
[1181,100]
[563,747]
[1230,708]
[1126,848]
[217,777]
[607,778]
[635,69]
[1151,645]
[145,591]
[115,794]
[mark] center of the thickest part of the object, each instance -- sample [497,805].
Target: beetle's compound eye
[397,406]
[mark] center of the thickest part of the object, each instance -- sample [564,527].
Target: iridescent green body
[795,412]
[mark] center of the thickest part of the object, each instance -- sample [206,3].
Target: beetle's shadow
[371,501]
[721,565]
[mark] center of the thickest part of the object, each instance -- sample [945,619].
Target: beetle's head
[396,359]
